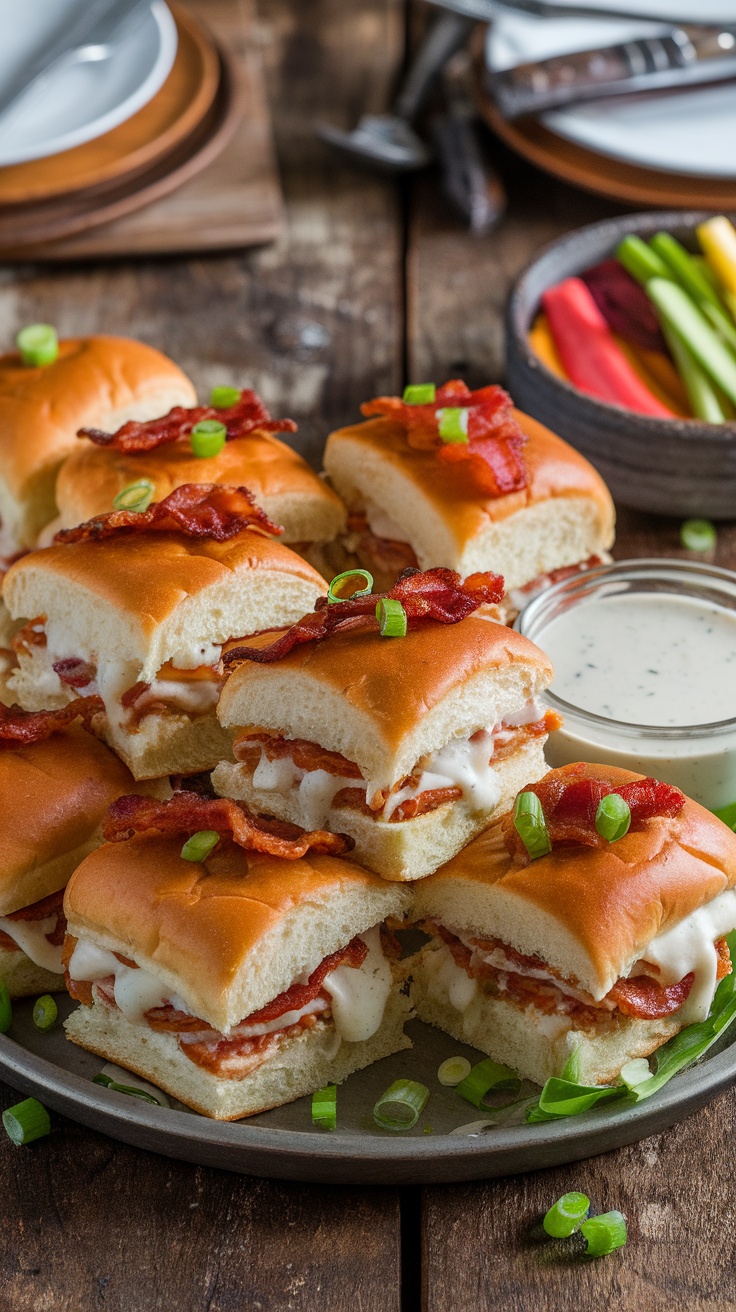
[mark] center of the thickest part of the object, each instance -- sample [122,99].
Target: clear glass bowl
[699,758]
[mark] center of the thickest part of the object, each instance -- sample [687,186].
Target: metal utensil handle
[447,34]
[484,11]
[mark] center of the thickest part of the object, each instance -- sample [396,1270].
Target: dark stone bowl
[671,466]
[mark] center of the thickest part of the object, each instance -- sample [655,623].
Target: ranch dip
[645,672]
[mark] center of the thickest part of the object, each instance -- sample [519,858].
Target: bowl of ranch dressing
[644,653]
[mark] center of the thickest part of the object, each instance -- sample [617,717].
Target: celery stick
[700,390]
[640,260]
[680,314]
[696,284]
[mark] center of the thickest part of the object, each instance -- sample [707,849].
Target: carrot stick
[543,345]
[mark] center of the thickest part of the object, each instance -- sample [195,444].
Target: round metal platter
[283,1144]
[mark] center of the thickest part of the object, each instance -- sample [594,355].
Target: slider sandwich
[459,478]
[230,441]
[136,606]
[87,382]
[409,743]
[57,782]
[590,922]
[235,964]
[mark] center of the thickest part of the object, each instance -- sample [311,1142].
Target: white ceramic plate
[81,101]
[681,132]
[677,11]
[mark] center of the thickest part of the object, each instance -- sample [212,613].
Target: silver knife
[93,27]
[686,56]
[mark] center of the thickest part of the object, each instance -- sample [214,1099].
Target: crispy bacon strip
[570,799]
[436,595]
[494,449]
[24,727]
[188,813]
[247,415]
[199,510]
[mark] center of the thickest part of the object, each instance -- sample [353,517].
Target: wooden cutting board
[234,202]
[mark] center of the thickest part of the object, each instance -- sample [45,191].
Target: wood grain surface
[373,282]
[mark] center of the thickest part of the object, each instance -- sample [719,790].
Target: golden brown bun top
[612,900]
[55,795]
[92,377]
[198,920]
[394,681]
[554,469]
[92,476]
[150,574]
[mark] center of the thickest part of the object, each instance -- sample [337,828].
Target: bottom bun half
[299,1066]
[23,978]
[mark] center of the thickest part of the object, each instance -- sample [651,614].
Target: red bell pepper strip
[590,357]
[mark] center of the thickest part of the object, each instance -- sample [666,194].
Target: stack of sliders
[57,782]
[136,606]
[446,476]
[589,923]
[239,972]
[407,721]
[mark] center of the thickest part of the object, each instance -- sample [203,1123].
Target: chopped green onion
[38,344]
[136,496]
[324,1107]
[698,535]
[488,1076]
[420,394]
[199,846]
[6,1010]
[572,1068]
[391,618]
[26,1121]
[635,1072]
[208,437]
[613,817]
[604,1234]
[453,423]
[223,397]
[362,576]
[400,1107]
[531,826]
[45,1012]
[564,1216]
[131,1089]
[453,1071]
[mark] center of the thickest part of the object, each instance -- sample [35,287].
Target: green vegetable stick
[700,391]
[686,320]
[640,260]
[696,284]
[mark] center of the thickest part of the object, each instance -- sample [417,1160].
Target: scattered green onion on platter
[453,1071]
[199,846]
[324,1107]
[566,1215]
[6,1009]
[530,825]
[400,1107]
[224,397]
[698,535]
[26,1121]
[45,1012]
[391,618]
[361,576]
[38,344]
[131,1089]
[208,437]
[613,817]
[136,496]
[488,1077]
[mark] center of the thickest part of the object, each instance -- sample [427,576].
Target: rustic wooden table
[375,283]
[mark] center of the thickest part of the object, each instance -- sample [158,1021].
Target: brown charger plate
[172,116]
[22,227]
[602,174]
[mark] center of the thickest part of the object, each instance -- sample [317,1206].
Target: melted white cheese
[193,696]
[30,936]
[690,946]
[359,996]
[448,982]
[464,764]
[136,990]
[382,526]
